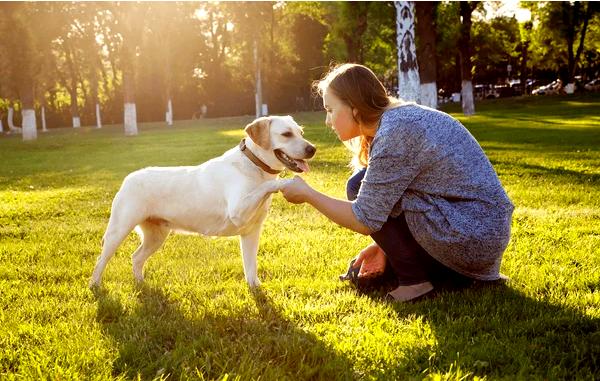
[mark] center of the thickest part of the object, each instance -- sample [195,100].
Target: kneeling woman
[427,194]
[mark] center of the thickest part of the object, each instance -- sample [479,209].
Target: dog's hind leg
[114,235]
[153,235]
[249,246]
[120,224]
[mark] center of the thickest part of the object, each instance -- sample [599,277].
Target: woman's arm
[297,191]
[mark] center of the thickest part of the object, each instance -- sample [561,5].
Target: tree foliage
[70,56]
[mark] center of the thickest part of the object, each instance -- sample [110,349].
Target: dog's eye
[287,134]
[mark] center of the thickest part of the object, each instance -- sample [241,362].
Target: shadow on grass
[560,175]
[157,338]
[496,331]
[555,139]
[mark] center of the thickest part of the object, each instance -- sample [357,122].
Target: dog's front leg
[242,211]
[249,246]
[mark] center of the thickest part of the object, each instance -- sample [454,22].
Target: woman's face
[340,116]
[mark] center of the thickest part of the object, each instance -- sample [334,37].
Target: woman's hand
[296,190]
[339,211]
[371,260]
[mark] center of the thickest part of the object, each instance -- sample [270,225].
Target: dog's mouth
[296,165]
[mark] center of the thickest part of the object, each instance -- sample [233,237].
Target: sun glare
[201,14]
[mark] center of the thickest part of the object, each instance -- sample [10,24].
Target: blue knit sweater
[425,164]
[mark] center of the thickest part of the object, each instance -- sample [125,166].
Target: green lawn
[195,318]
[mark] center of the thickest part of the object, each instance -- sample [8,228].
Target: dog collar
[256,160]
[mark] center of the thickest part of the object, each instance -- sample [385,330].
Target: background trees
[83,62]
[561,34]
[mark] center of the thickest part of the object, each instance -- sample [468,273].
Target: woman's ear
[355,114]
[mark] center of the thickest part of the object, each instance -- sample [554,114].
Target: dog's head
[282,137]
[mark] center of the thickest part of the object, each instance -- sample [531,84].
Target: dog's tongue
[303,165]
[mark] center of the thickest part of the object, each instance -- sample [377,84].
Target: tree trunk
[72,87]
[426,33]
[408,69]
[130,117]
[94,90]
[258,80]
[98,117]
[11,125]
[1,126]
[570,88]
[524,57]
[44,129]
[28,112]
[29,124]
[353,39]
[168,81]
[74,106]
[466,9]
[169,113]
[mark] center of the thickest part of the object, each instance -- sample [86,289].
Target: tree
[361,32]
[523,48]
[426,35]
[20,46]
[90,27]
[495,44]
[408,69]
[129,23]
[466,10]
[565,22]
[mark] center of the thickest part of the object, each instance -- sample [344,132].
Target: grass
[194,318]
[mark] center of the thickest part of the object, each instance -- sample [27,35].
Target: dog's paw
[282,183]
[94,284]
[254,283]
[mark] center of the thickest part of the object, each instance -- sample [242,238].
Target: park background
[81,62]
[194,317]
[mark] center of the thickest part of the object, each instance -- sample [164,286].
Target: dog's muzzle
[296,165]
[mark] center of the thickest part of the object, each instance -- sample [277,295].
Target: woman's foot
[407,293]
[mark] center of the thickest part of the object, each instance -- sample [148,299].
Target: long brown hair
[357,86]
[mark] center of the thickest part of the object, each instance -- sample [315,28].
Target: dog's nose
[310,150]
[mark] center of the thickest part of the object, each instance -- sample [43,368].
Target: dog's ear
[260,132]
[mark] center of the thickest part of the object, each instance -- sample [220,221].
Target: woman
[427,195]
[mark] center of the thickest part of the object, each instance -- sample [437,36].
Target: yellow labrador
[228,195]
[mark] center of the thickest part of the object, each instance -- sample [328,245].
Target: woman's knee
[353,184]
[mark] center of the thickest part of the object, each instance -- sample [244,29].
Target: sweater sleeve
[395,161]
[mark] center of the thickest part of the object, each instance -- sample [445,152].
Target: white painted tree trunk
[98,118]
[258,83]
[76,122]
[169,113]
[1,126]
[570,88]
[12,129]
[130,119]
[29,124]
[11,125]
[408,68]
[429,94]
[44,129]
[466,96]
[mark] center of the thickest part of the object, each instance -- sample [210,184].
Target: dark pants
[409,261]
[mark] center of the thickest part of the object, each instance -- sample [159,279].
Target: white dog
[228,195]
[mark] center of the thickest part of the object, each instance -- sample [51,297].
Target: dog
[226,196]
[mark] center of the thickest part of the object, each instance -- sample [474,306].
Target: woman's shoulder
[409,115]
[410,111]
[400,117]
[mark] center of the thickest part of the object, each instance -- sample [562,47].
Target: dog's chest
[216,221]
